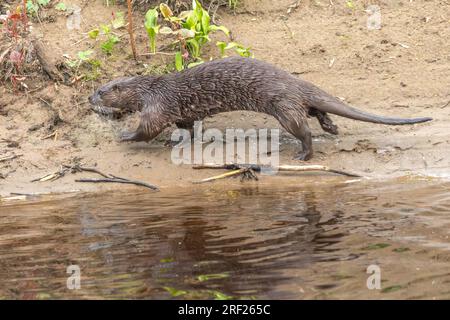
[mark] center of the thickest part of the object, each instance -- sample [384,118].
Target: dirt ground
[403,69]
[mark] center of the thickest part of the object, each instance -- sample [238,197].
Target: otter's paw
[331,128]
[127,136]
[303,156]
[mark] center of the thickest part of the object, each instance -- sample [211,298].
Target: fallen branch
[53,135]
[245,173]
[11,157]
[445,105]
[259,168]
[120,180]
[106,177]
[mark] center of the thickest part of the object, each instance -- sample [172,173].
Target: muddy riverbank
[401,69]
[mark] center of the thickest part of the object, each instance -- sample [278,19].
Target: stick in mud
[11,157]
[259,168]
[119,180]
[245,173]
[106,177]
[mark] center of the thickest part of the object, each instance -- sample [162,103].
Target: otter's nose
[91,99]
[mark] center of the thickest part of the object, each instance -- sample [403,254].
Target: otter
[224,85]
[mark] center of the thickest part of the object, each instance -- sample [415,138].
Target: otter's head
[117,96]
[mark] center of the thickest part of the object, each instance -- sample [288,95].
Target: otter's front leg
[136,136]
[151,125]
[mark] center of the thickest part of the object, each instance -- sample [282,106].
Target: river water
[244,241]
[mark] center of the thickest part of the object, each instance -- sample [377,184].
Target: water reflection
[208,243]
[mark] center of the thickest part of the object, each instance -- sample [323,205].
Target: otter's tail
[326,103]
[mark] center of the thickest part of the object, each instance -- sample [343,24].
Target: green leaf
[95,63]
[191,20]
[240,49]
[194,47]
[350,4]
[119,21]
[206,28]
[105,28]
[84,55]
[61,6]
[152,27]
[179,61]
[109,44]
[151,18]
[32,7]
[167,260]
[72,63]
[43,2]
[93,34]
[175,292]
[184,14]
[244,52]
[220,28]
[221,45]
[194,64]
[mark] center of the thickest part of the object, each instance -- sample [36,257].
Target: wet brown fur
[227,85]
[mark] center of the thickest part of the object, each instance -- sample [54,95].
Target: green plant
[198,21]
[152,27]
[240,49]
[107,45]
[84,60]
[33,6]
[61,6]
[232,4]
[192,29]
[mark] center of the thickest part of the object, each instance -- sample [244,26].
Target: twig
[106,177]
[79,168]
[223,176]
[130,30]
[120,180]
[11,157]
[3,55]
[259,168]
[445,105]
[53,134]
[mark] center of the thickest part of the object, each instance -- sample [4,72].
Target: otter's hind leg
[299,128]
[324,120]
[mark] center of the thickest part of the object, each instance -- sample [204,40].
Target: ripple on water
[263,242]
